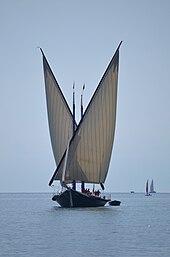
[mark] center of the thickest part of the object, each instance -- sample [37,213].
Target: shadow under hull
[71,198]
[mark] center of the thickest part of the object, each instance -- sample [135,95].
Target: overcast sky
[79,39]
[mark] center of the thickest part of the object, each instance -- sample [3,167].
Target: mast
[82,101]
[74,182]
[73,108]
[82,183]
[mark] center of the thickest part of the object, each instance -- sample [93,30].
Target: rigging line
[65,162]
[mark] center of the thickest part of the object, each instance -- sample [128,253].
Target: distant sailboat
[147,189]
[152,187]
[82,152]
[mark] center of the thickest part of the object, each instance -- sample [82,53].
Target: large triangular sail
[59,115]
[91,146]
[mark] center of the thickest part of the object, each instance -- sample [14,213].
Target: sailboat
[147,191]
[152,187]
[82,151]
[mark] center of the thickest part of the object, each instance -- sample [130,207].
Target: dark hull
[72,198]
[115,203]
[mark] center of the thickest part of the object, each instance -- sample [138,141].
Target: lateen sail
[59,115]
[152,187]
[91,146]
[147,187]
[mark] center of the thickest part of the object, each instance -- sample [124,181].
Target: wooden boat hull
[71,198]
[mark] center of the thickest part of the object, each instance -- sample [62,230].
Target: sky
[79,39]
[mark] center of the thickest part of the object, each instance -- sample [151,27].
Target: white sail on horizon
[91,146]
[152,190]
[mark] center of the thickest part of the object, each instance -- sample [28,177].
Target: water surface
[32,225]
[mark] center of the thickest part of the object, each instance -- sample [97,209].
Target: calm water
[32,225]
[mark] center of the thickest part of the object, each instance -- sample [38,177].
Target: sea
[32,225]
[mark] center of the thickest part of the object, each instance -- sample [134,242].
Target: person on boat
[84,190]
[97,193]
[88,191]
